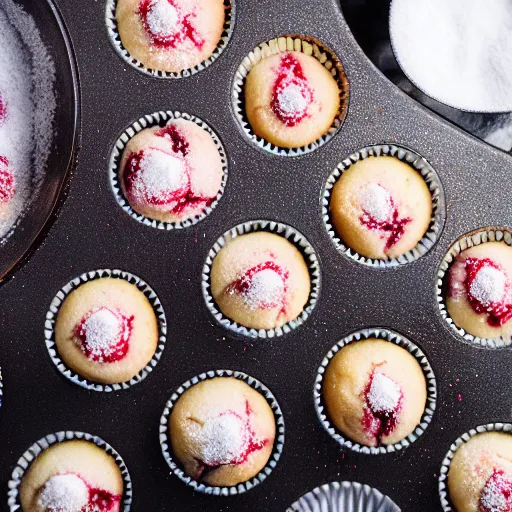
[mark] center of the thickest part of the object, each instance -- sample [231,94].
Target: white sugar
[492,498]
[222,440]
[384,394]
[376,202]
[456,51]
[266,288]
[291,100]
[103,331]
[163,18]
[64,493]
[488,285]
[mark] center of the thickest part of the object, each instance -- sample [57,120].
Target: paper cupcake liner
[1,389]
[480,236]
[445,466]
[37,448]
[433,182]
[346,497]
[401,341]
[160,119]
[244,486]
[294,237]
[291,42]
[51,317]
[115,39]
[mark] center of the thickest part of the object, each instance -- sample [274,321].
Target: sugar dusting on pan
[27,109]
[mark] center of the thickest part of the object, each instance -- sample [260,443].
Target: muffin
[381,207]
[480,475]
[374,392]
[222,431]
[72,476]
[170,35]
[291,99]
[173,173]
[480,290]
[7,186]
[106,330]
[260,280]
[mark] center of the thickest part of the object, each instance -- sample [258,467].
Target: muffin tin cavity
[473,239]
[294,237]
[430,406]
[161,119]
[308,46]
[416,162]
[243,487]
[115,39]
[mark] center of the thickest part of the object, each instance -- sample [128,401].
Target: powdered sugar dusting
[162,18]
[496,495]
[292,100]
[384,394]
[488,286]
[64,493]
[376,202]
[267,287]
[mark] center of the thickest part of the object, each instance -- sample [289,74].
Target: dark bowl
[36,222]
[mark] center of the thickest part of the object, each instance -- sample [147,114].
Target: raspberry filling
[380,213]
[7,181]
[227,440]
[167,26]
[263,286]
[3,109]
[161,178]
[383,403]
[291,93]
[488,290]
[104,334]
[496,495]
[69,492]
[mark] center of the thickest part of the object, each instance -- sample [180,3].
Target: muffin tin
[92,231]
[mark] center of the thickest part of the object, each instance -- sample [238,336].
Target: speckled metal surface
[94,232]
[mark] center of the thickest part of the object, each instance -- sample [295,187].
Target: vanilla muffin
[480,475]
[170,35]
[480,290]
[260,280]
[381,207]
[222,431]
[72,476]
[173,173]
[106,330]
[291,99]
[374,392]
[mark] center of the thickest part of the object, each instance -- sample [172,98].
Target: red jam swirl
[7,181]
[3,109]
[496,496]
[164,32]
[499,311]
[104,334]
[291,93]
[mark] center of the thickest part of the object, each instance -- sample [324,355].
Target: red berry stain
[291,74]
[3,109]
[395,226]
[251,445]
[7,181]
[179,143]
[113,351]
[379,423]
[242,286]
[496,494]
[185,29]
[499,313]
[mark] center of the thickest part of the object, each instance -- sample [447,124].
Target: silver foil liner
[344,497]
[416,162]
[243,487]
[115,39]
[430,406]
[445,466]
[480,236]
[38,447]
[162,119]
[51,318]
[308,46]
[294,237]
